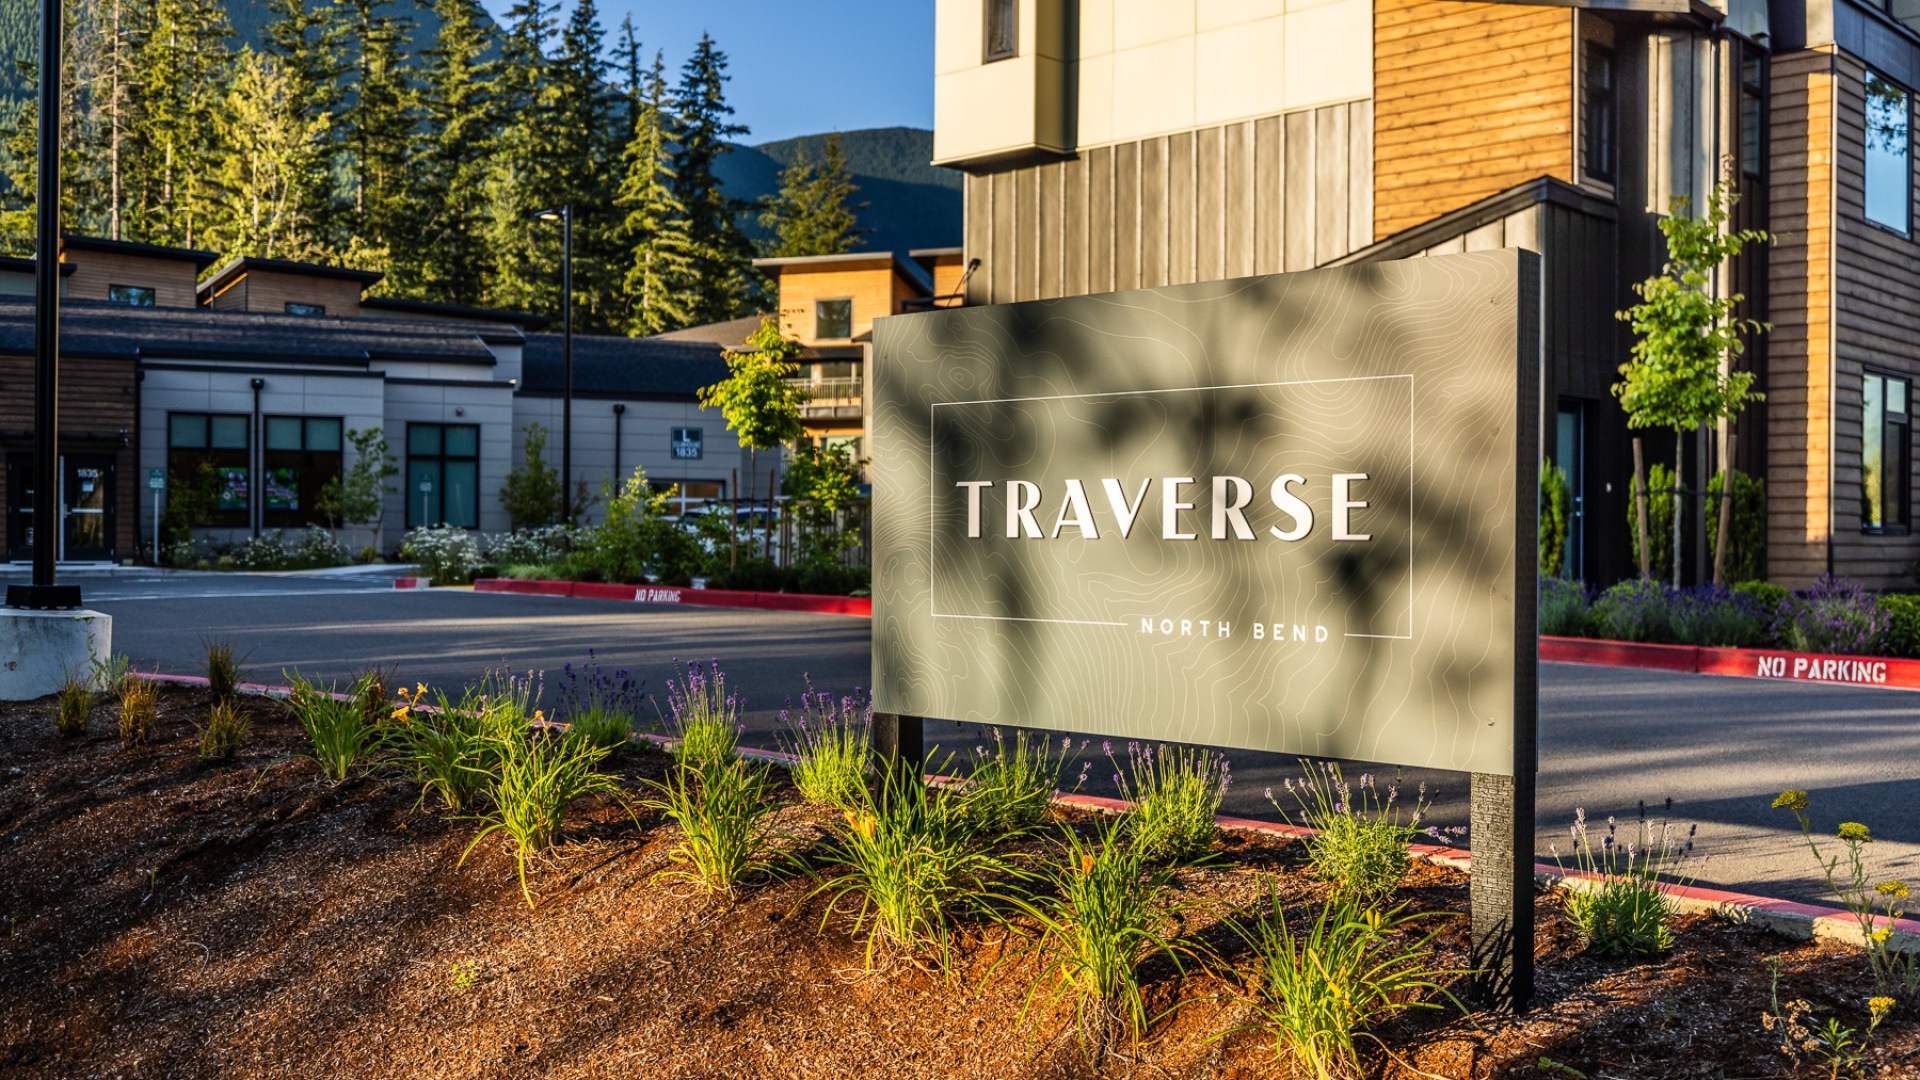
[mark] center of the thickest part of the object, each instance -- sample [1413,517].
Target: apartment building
[1116,144]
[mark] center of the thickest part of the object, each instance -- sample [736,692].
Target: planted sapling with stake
[1614,898]
[831,741]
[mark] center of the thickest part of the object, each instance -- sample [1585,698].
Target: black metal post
[900,745]
[566,383]
[257,461]
[44,593]
[620,410]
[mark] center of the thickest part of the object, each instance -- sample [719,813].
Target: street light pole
[564,215]
[43,593]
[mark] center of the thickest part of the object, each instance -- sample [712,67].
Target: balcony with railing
[830,398]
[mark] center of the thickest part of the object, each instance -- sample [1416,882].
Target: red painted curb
[680,594]
[411,583]
[1894,673]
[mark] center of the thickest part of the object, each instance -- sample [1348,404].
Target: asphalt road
[1721,748]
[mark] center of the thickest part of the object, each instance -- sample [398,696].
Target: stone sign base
[38,648]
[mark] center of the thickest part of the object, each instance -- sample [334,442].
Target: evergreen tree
[308,39]
[269,143]
[112,103]
[720,281]
[524,272]
[180,79]
[377,125]
[453,153]
[812,214]
[584,141]
[79,169]
[654,228]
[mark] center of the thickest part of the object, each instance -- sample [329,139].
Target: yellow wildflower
[1791,800]
[1854,833]
[400,713]
[1880,1007]
[538,716]
[1881,936]
[1893,888]
[861,824]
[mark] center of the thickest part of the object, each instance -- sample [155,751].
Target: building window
[832,320]
[1597,125]
[1889,175]
[294,307]
[443,475]
[302,456]
[1003,30]
[1885,453]
[130,295]
[208,459]
[1753,113]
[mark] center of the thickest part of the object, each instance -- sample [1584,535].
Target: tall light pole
[564,215]
[43,593]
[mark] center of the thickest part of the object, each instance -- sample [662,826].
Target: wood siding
[1286,192]
[270,291]
[875,291]
[1469,100]
[172,280]
[98,415]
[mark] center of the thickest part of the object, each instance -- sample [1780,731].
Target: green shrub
[1615,903]
[1747,532]
[721,807]
[1834,616]
[1766,592]
[702,715]
[137,707]
[1176,793]
[1634,610]
[540,775]
[1718,617]
[531,492]
[1360,842]
[911,869]
[1902,637]
[444,554]
[832,745]
[73,703]
[1010,788]
[830,578]
[751,575]
[1566,610]
[1107,911]
[1315,993]
[339,733]
[635,542]
[1556,507]
[1660,482]
[222,667]
[224,733]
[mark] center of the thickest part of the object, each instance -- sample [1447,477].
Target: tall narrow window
[1003,29]
[1598,124]
[443,475]
[209,467]
[1753,114]
[1885,453]
[1889,142]
[832,320]
[302,456]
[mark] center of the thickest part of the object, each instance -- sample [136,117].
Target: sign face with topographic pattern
[1276,513]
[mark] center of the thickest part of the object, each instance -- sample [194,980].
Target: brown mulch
[161,917]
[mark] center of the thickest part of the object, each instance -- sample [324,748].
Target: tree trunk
[1726,516]
[1640,509]
[1679,451]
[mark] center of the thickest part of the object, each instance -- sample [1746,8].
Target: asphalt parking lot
[1721,748]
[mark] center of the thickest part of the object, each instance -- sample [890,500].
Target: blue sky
[798,66]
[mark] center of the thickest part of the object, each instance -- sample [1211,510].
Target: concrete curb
[1789,919]
[1887,672]
[680,594]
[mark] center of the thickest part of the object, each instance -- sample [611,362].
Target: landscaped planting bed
[169,916]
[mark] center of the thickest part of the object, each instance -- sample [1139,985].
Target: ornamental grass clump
[540,775]
[452,748]
[224,733]
[339,734]
[912,869]
[831,742]
[1316,992]
[1010,787]
[1876,906]
[1359,844]
[702,715]
[138,700]
[1106,912]
[73,703]
[598,705]
[722,807]
[1566,607]
[223,667]
[1614,897]
[1835,616]
[1175,791]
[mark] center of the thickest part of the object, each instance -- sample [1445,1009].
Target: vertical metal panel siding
[1098,229]
[1126,216]
[1269,206]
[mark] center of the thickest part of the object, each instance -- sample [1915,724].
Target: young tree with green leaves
[452,155]
[720,257]
[180,72]
[654,230]
[761,406]
[814,214]
[531,494]
[268,144]
[358,496]
[1681,376]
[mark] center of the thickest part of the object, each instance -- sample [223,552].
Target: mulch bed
[161,917]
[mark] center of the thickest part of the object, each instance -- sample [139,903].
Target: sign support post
[1500,894]
[900,745]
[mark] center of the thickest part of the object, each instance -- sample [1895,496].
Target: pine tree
[377,126]
[584,145]
[812,214]
[524,269]
[180,79]
[654,228]
[269,144]
[720,272]
[307,38]
[452,154]
[79,170]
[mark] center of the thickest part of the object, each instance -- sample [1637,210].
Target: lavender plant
[1359,843]
[704,717]
[1566,607]
[597,705]
[830,739]
[1634,610]
[1716,616]
[1009,787]
[1175,792]
[1876,906]
[1835,616]
[1614,899]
